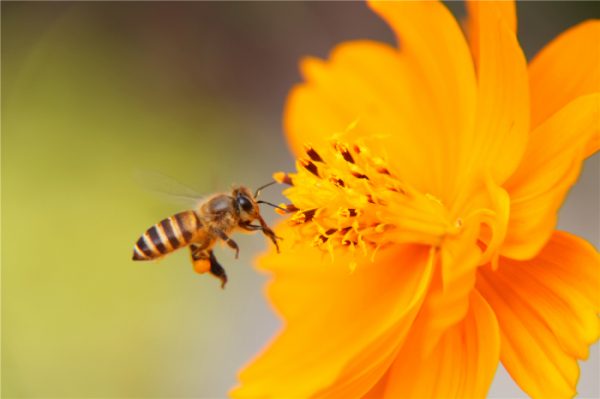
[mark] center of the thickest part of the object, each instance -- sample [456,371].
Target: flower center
[343,196]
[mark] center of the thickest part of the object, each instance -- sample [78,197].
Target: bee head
[246,204]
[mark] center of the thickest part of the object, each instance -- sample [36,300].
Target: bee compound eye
[245,203]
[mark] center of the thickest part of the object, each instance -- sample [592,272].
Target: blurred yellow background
[92,93]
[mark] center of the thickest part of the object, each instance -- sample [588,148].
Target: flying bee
[213,219]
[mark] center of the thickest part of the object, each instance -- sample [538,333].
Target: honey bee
[214,218]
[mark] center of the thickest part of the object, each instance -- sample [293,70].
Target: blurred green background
[93,93]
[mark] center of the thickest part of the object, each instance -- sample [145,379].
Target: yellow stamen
[346,198]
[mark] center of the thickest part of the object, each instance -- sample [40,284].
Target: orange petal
[507,11]
[547,309]
[462,364]
[448,297]
[550,167]
[369,90]
[501,129]
[366,86]
[447,300]
[341,328]
[565,69]
[438,58]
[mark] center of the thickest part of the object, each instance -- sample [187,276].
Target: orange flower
[422,248]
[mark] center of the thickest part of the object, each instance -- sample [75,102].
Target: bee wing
[167,188]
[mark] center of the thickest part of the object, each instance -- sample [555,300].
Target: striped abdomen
[167,235]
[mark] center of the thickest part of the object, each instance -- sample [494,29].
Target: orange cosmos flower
[422,247]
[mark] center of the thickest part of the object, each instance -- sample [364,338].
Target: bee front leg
[268,232]
[232,244]
[250,227]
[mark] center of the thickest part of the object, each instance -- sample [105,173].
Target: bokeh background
[93,93]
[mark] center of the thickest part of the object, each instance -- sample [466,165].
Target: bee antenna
[257,193]
[273,205]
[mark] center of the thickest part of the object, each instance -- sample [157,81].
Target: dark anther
[291,208]
[397,190]
[330,232]
[309,215]
[311,167]
[344,151]
[360,175]
[284,178]
[345,229]
[313,154]
[337,181]
[346,154]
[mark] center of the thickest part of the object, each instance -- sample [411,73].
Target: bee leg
[200,259]
[232,244]
[268,232]
[254,227]
[265,229]
[217,270]
[250,227]
[204,261]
